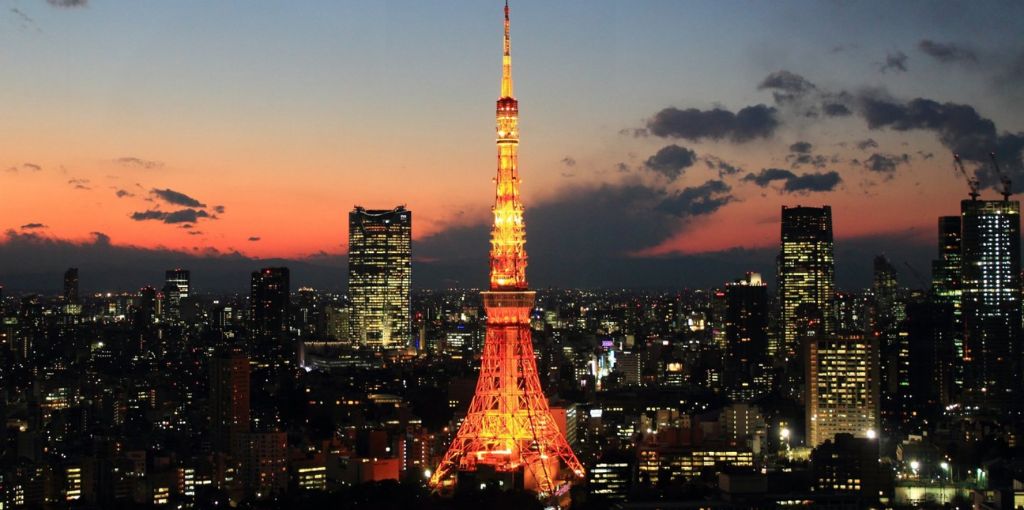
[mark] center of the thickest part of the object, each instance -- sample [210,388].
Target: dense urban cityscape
[775,389]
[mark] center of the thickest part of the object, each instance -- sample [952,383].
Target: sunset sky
[254,127]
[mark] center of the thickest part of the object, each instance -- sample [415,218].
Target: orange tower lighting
[509,432]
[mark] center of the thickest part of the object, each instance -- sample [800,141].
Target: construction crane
[917,276]
[1004,180]
[972,182]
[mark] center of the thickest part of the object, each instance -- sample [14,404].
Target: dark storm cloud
[752,122]
[801,147]
[671,161]
[959,127]
[698,200]
[254,238]
[219,209]
[30,262]
[786,86]
[895,62]
[32,226]
[835,110]
[580,235]
[100,239]
[885,163]
[68,4]
[132,161]
[724,168]
[176,198]
[812,182]
[947,52]
[124,193]
[815,160]
[793,183]
[869,143]
[1010,77]
[179,216]
[767,175]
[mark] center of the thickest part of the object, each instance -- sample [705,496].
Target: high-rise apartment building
[748,367]
[806,271]
[229,397]
[269,302]
[379,276]
[842,387]
[990,268]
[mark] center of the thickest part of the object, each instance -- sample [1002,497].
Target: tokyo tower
[508,434]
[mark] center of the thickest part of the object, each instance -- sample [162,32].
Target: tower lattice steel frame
[509,427]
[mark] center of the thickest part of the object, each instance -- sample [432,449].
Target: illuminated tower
[509,434]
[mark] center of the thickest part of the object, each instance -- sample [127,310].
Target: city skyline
[123,172]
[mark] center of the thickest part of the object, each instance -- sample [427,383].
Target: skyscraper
[947,288]
[229,396]
[806,287]
[177,286]
[71,286]
[806,268]
[842,387]
[990,269]
[886,315]
[72,306]
[509,434]
[269,302]
[379,276]
[747,370]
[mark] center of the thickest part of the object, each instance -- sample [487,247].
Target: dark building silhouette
[747,370]
[991,299]
[229,397]
[379,276]
[947,288]
[269,302]
[886,316]
[849,465]
[71,286]
[926,361]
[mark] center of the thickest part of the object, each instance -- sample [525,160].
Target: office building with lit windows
[991,297]
[379,276]
[806,271]
[610,478]
[842,387]
[177,286]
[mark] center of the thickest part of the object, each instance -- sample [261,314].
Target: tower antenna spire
[506,60]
